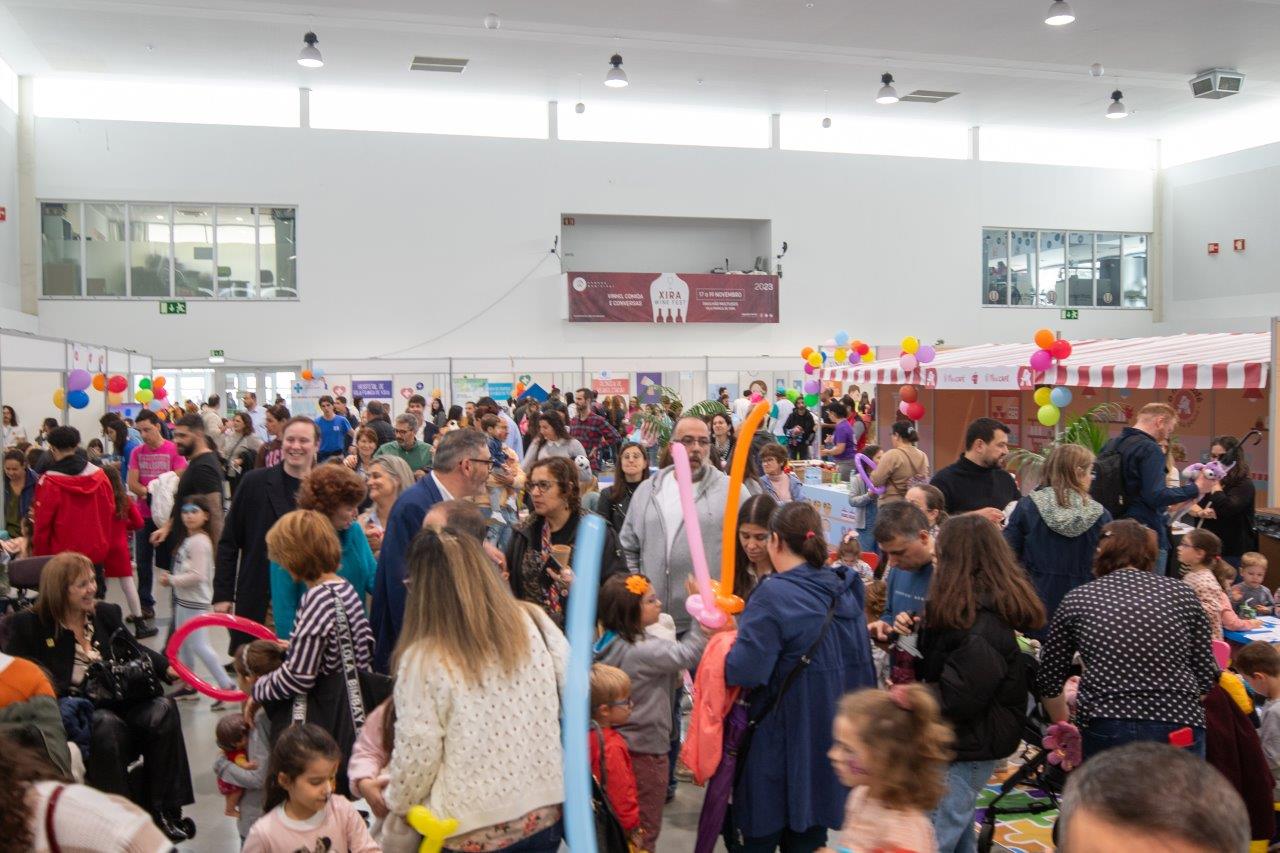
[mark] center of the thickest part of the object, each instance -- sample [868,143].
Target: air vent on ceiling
[925,96]
[435,63]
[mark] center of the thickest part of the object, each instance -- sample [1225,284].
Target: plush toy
[1213,470]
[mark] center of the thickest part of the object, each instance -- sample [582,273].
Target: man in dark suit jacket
[242,575]
[461,467]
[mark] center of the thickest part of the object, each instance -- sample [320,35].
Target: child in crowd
[877,593]
[1259,664]
[303,811]
[849,554]
[1209,576]
[124,520]
[892,748]
[232,736]
[629,606]
[1249,596]
[610,760]
[251,661]
[370,755]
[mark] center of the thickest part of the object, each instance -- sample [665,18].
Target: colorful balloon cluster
[1051,401]
[844,350]
[316,373]
[151,392]
[912,356]
[76,394]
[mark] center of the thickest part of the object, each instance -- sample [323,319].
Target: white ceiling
[775,55]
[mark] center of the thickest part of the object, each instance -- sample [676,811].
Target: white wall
[1216,201]
[402,236]
[10,283]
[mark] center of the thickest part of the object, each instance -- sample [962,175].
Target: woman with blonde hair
[477,734]
[388,478]
[1054,531]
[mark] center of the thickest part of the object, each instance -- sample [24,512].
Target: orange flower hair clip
[637,584]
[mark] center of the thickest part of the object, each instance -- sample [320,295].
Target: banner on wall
[612,387]
[84,357]
[469,388]
[637,297]
[647,387]
[501,391]
[371,389]
[306,396]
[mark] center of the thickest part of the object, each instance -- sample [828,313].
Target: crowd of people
[415,570]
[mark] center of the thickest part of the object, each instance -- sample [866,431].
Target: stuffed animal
[1213,470]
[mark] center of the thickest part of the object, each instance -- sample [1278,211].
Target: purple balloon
[908,362]
[1041,360]
[926,354]
[812,387]
[78,380]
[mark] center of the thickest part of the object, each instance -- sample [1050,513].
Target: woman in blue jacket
[787,795]
[1054,531]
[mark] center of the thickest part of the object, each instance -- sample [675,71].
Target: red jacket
[620,779]
[118,564]
[73,513]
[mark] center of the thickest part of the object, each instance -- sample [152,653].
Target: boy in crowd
[1250,591]
[1259,664]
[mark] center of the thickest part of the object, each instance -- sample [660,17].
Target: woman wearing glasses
[539,553]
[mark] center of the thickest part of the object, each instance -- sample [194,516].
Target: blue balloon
[77,399]
[580,627]
[1060,397]
[842,338]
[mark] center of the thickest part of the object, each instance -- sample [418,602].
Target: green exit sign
[174,307]
[1071,313]
[217,353]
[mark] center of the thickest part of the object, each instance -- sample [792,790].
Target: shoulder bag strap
[347,648]
[50,835]
[604,773]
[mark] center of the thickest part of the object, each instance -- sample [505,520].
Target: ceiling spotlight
[826,121]
[309,56]
[887,94]
[492,21]
[616,78]
[1096,70]
[1060,14]
[1117,108]
[579,108]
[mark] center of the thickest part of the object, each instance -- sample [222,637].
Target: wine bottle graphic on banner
[669,296]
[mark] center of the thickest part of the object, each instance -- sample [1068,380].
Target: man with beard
[242,576]
[975,482]
[201,478]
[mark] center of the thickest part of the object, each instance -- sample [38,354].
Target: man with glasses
[406,446]
[461,469]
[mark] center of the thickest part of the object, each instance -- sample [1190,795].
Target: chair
[24,574]
[871,558]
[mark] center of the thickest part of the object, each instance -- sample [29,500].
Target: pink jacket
[369,756]
[712,701]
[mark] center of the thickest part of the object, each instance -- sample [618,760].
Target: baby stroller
[1036,773]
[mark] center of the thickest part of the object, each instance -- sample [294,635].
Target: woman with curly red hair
[336,492]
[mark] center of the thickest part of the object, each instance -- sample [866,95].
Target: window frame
[1068,232]
[129,296]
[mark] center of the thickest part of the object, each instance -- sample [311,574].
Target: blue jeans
[953,823]
[547,841]
[788,841]
[1162,561]
[145,553]
[1103,733]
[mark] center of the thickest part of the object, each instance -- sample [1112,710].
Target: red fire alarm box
[1238,244]
[1214,248]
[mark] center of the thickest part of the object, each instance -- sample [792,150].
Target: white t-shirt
[785,408]
[741,408]
[672,511]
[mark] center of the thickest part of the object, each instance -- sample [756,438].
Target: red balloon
[907,393]
[915,411]
[225,620]
[117,384]
[862,348]
[1060,349]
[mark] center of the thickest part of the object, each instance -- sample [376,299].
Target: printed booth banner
[633,297]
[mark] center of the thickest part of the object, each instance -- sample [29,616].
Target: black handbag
[610,836]
[124,677]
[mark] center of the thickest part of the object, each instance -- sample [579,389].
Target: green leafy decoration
[1088,429]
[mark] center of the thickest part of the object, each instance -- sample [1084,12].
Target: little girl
[850,554]
[1209,576]
[251,662]
[370,755]
[232,737]
[117,565]
[192,583]
[303,812]
[628,605]
[892,748]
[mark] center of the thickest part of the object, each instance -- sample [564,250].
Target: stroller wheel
[985,837]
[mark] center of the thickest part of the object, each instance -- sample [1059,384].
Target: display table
[1269,632]
[831,500]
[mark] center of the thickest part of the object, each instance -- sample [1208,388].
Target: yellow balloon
[815,359]
[1042,396]
[144,396]
[910,345]
[842,355]
[1049,415]
[60,399]
[868,357]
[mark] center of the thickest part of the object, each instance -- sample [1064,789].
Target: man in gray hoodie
[653,537]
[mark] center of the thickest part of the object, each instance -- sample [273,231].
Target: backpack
[1109,487]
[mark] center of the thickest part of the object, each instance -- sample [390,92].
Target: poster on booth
[468,389]
[306,396]
[647,385]
[502,391]
[639,297]
[382,390]
[84,357]
[612,386]
[1006,407]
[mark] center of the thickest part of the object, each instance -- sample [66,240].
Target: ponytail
[905,430]
[799,527]
[1208,542]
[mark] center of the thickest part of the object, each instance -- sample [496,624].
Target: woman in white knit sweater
[477,702]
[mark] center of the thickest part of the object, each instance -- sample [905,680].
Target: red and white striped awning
[1200,361]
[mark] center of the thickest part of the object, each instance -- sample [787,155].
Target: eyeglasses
[542,486]
[692,441]
[488,462]
[622,703]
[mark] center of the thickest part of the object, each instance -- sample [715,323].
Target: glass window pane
[235,252]
[104,249]
[995,267]
[193,251]
[1022,268]
[1133,271]
[60,247]
[277,253]
[1108,251]
[1081,269]
[1051,281]
[149,233]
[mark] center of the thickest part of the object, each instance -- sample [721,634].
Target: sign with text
[615,386]
[371,389]
[176,306]
[978,378]
[634,297]
[501,391]
[1071,313]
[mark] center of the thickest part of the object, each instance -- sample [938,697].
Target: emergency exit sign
[176,306]
[1071,313]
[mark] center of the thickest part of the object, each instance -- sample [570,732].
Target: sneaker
[142,630]
[218,705]
[148,613]
[185,693]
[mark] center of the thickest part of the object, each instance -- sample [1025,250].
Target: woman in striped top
[304,542]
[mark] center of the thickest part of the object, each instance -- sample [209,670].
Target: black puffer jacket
[981,677]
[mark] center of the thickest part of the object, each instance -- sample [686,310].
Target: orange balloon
[99,381]
[307,375]
[158,382]
[1045,338]
[725,599]
[806,352]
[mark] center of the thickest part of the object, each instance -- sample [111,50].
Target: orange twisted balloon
[725,599]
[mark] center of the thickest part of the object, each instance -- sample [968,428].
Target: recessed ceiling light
[1117,108]
[887,94]
[309,56]
[1096,70]
[1059,14]
[579,108]
[492,21]
[616,78]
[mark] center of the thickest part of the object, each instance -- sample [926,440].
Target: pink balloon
[701,606]
[161,392]
[808,369]
[1041,360]
[926,354]
[908,362]
[902,407]
[756,398]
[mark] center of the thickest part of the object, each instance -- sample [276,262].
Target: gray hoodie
[644,536]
